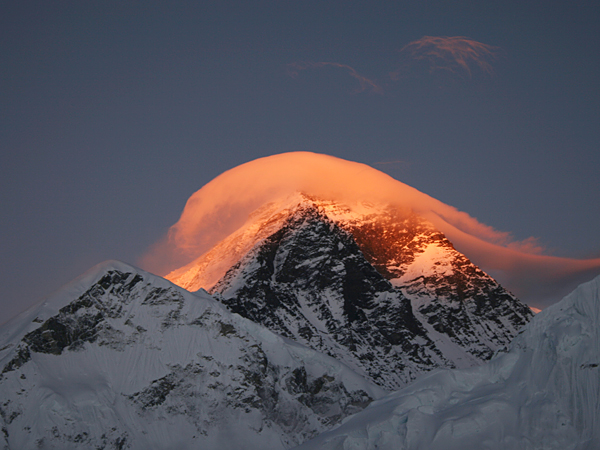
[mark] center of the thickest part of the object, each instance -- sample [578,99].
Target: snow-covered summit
[544,393]
[205,271]
[24,322]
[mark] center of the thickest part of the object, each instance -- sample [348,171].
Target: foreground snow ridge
[122,359]
[544,393]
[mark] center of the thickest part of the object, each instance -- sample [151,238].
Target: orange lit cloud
[457,55]
[365,83]
[223,205]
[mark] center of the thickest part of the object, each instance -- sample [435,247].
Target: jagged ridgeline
[124,359]
[374,286]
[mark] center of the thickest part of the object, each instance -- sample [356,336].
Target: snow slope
[122,359]
[543,393]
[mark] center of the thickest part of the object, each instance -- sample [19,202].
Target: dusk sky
[114,113]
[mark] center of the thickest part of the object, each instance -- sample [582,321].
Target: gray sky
[113,113]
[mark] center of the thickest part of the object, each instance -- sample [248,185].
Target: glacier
[543,392]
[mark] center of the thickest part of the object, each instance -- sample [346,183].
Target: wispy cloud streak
[366,84]
[457,54]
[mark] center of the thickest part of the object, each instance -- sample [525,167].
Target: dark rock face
[310,282]
[335,287]
[388,241]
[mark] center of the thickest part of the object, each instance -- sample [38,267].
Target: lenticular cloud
[223,205]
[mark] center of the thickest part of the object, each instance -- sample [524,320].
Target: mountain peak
[375,285]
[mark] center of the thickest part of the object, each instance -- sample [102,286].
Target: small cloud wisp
[365,83]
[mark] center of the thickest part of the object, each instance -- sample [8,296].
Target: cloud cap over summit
[223,205]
